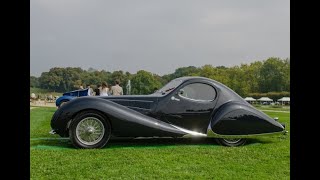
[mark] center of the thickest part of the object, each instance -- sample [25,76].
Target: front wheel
[231,142]
[89,129]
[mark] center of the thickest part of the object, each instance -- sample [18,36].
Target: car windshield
[169,87]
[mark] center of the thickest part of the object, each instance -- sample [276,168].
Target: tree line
[270,76]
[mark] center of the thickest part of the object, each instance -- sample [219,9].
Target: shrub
[272,95]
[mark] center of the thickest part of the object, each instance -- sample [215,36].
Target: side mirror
[181,92]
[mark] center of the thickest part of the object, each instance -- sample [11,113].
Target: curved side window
[198,91]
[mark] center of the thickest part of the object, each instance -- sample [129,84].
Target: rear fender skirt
[212,134]
[238,119]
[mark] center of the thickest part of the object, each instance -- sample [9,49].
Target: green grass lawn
[278,108]
[55,158]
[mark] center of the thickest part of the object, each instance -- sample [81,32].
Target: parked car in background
[68,96]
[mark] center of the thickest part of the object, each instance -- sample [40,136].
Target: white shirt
[90,92]
[104,92]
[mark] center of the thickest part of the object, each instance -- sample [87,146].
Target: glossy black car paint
[171,115]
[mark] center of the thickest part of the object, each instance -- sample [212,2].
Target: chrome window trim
[199,100]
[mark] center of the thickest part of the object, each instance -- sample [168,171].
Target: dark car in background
[68,96]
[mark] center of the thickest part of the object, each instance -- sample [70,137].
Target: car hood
[136,102]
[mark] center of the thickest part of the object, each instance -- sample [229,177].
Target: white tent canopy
[284,99]
[249,99]
[265,99]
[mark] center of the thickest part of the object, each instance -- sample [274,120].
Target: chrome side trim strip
[190,133]
[210,133]
[131,100]
[133,107]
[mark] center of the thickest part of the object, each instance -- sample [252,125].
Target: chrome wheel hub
[90,131]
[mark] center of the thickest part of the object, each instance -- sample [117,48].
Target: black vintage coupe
[185,107]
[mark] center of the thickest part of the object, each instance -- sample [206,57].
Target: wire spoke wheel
[90,131]
[231,142]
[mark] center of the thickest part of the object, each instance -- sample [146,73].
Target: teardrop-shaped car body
[186,106]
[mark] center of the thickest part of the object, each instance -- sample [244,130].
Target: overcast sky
[156,35]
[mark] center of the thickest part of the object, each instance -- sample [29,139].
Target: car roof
[185,78]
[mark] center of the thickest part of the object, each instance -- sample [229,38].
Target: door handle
[174,98]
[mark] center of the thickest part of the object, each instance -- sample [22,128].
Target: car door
[191,106]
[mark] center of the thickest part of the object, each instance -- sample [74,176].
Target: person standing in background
[116,90]
[104,89]
[90,91]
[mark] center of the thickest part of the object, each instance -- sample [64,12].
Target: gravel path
[42,104]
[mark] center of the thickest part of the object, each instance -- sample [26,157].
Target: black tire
[81,117]
[63,102]
[231,142]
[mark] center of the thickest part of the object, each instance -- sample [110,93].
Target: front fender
[125,122]
[236,118]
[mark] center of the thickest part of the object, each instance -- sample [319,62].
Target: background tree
[272,76]
[144,83]
[34,82]
[257,78]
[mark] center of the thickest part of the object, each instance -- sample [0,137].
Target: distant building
[250,100]
[265,100]
[284,100]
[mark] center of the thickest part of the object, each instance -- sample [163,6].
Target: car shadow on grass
[168,142]
[159,142]
[50,143]
[65,143]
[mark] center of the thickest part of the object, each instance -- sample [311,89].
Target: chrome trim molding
[196,100]
[210,133]
[190,133]
[133,107]
[130,100]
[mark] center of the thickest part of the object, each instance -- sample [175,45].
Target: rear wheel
[231,142]
[90,129]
